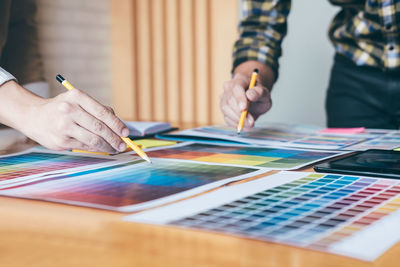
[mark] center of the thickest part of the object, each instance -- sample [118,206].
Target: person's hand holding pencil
[238,97]
[105,128]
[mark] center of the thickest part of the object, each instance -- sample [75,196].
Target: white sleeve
[5,76]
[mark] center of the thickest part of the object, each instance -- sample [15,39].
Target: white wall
[299,94]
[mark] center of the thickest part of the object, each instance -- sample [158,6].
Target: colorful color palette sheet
[39,162]
[387,142]
[282,136]
[262,157]
[128,186]
[348,215]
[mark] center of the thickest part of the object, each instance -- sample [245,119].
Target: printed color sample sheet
[387,142]
[38,162]
[128,186]
[279,136]
[263,157]
[352,216]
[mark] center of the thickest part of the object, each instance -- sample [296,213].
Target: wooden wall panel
[123,58]
[173,83]
[182,55]
[202,60]
[186,59]
[144,55]
[223,33]
[158,58]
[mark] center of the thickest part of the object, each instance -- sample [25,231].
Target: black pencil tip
[60,78]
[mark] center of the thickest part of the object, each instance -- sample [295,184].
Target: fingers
[239,84]
[233,100]
[256,93]
[71,143]
[102,113]
[239,100]
[97,127]
[230,113]
[230,122]
[89,141]
[248,123]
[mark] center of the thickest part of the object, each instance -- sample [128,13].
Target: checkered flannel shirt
[365,31]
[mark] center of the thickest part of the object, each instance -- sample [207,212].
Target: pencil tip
[147,159]
[60,78]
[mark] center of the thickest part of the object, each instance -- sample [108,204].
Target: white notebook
[143,128]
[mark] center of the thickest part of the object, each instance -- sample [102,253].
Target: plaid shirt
[366,31]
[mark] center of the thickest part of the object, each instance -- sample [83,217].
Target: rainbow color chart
[348,215]
[278,136]
[388,142]
[263,157]
[36,162]
[128,186]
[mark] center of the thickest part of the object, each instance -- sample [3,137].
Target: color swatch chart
[126,185]
[31,163]
[272,158]
[283,136]
[316,211]
[387,142]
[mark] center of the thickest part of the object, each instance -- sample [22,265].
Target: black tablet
[373,162]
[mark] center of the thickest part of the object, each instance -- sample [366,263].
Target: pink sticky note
[343,130]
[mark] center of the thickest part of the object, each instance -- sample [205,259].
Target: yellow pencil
[90,152]
[128,141]
[244,112]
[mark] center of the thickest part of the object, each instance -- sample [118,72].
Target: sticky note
[148,143]
[343,130]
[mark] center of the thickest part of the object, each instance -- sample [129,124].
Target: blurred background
[166,60]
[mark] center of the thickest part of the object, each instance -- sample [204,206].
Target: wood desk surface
[37,233]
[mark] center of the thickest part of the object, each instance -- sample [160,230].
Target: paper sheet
[387,142]
[244,155]
[150,143]
[121,184]
[281,136]
[347,215]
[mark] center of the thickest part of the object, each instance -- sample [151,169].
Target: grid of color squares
[386,142]
[269,134]
[18,166]
[126,183]
[315,211]
[330,140]
[285,137]
[273,158]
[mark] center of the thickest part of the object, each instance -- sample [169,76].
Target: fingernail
[242,105]
[125,132]
[122,147]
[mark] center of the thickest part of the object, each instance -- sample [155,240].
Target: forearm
[261,31]
[266,75]
[16,103]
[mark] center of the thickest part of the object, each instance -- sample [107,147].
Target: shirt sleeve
[5,76]
[261,31]
[21,55]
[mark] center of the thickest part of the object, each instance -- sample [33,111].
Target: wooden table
[37,233]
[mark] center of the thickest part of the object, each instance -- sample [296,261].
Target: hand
[234,100]
[72,120]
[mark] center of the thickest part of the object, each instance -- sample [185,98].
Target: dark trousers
[362,96]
